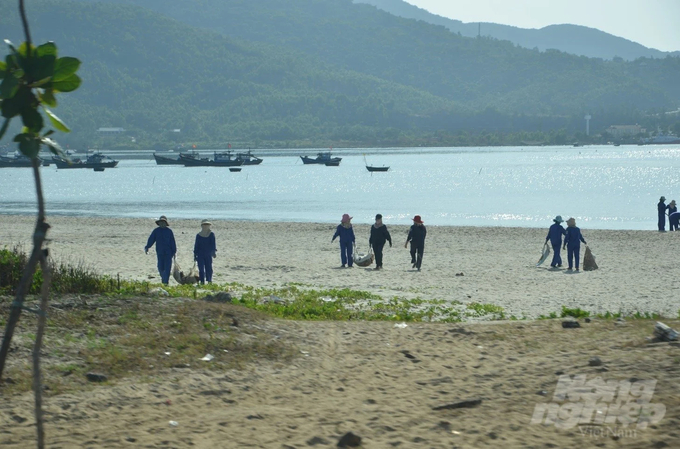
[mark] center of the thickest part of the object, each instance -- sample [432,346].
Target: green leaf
[28,144]
[48,48]
[56,121]
[4,127]
[23,47]
[41,82]
[43,67]
[9,87]
[65,67]
[54,147]
[67,85]
[11,107]
[32,119]
[47,97]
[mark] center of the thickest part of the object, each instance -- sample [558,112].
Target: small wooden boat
[219,160]
[372,169]
[248,158]
[322,158]
[19,160]
[234,169]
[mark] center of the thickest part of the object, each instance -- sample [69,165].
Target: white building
[619,131]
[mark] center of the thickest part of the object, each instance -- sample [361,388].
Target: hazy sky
[652,23]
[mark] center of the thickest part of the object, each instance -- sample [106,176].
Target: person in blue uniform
[572,241]
[416,235]
[379,235]
[346,234]
[673,217]
[166,248]
[205,250]
[555,234]
[661,208]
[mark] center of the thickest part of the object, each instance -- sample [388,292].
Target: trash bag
[363,260]
[189,278]
[589,263]
[544,254]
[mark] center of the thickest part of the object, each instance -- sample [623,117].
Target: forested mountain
[574,39]
[315,71]
[479,73]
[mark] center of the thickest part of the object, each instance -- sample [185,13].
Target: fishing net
[363,260]
[589,263]
[189,278]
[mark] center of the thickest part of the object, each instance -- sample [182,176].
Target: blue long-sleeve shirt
[573,237]
[416,235]
[555,234]
[205,246]
[345,234]
[164,240]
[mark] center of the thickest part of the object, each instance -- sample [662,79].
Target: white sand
[638,269]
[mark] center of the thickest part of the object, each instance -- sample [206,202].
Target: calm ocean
[604,187]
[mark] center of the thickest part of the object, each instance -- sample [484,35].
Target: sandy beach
[638,269]
[392,386]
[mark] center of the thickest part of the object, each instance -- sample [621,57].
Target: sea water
[603,187]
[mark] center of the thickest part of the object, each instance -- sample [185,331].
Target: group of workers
[378,237]
[673,215]
[572,242]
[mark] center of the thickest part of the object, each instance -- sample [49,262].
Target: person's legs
[200,261]
[570,256]
[343,254]
[419,260]
[164,267]
[557,259]
[577,250]
[413,253]
[662,222]
[350,259]
[378,251]
[207,260]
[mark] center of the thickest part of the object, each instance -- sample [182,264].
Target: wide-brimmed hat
[672,202]
[558,219]
[417,219]
[663,198]
[162,218]
[345,218]
[571,220]
[206,222]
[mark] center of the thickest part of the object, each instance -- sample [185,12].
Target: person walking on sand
[673,216]
[661,208]
[555,234]
[572,241]
[346,234]
[379,235]
[416,235]
[205,251]
[166,248]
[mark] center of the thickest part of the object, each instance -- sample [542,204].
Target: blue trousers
[557,258]
[573,253]
[205,270]
[346,253]
[662,222]
[164,267]
[417,254]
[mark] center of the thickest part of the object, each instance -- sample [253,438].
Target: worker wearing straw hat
[347,238]
[572,241]
[555,234]
[205,250]
[416,235]
[661,208]
[166,248]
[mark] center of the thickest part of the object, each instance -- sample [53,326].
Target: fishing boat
[95,161]
[661,139]
[165,160]
[18,160]
[322,159]
[248,158]
[219,160]
[235,169]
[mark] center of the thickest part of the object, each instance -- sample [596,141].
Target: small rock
[594,361]
[130,439]
[316,440]
[256,416]
[588,320]
[349,440]
[158,292]
[570,324]
[542,393]
[222,297]
[664,333]
[620,320]
[94,377]
[469,403]
[19,419]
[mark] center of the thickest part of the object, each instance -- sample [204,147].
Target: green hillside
[479,73]
[149,73]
